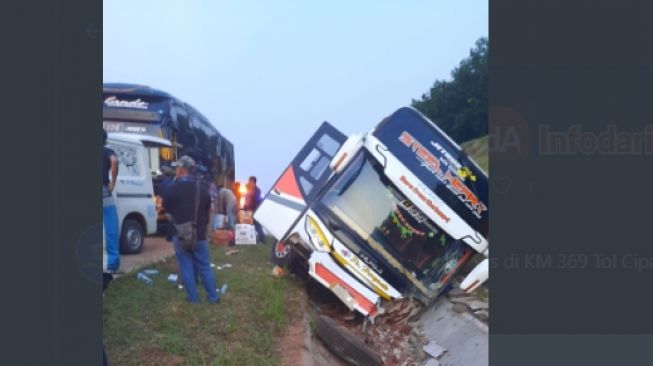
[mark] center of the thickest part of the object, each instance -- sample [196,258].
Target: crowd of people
[190,199]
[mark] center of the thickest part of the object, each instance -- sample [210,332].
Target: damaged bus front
[389,214]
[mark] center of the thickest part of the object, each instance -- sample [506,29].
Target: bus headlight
[318,239]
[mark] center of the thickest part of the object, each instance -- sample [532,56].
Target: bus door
[300,182]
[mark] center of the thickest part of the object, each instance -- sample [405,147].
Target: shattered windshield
[366,201]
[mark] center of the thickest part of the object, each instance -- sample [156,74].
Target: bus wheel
[345,344]
[282,254]
[132,237]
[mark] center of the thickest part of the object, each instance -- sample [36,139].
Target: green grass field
[154,325]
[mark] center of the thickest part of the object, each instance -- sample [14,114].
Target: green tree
[460,106]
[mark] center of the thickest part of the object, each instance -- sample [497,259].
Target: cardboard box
[245,217]
[245,234]
[223,237]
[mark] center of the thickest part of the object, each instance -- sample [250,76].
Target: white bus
[389,214]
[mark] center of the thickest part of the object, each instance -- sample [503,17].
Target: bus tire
[345,344]
[132,237]
[282,253]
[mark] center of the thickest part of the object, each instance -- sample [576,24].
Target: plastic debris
[151,272]
[278,271]
[180,287]
[143,278]
[172,278]
[227,265]
[224,288]
[231,252]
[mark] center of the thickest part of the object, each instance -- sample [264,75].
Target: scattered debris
[212,265]
[278,271]
[434,350]
[143,278]
[392,335]
[231,251]
[459,308]
[181,287]
[151,272]
[470,303]
[483,315]
[227,265]
[224,288]
[172,278]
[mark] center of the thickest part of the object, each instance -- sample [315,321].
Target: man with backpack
[188,203]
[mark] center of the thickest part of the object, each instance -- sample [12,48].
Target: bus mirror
[476,277]
[346,152]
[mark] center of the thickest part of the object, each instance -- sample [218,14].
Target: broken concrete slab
[463,335]
[434,350]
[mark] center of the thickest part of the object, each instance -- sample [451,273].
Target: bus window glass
[310,160]
[306,185]
[328,145]
[319,167]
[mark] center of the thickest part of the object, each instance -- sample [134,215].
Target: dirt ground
[299,346]
[155,249]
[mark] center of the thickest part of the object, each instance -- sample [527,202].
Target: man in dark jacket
[179,202]
[253,199]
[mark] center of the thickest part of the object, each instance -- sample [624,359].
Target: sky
[267,73]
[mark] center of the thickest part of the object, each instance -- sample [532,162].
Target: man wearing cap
[179,202]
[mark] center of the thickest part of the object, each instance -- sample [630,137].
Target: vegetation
[477,149]
[460,106]
[154,325]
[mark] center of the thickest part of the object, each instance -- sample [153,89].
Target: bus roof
[134,89]
[138,139]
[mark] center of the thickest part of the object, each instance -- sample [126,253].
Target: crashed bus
[390,214]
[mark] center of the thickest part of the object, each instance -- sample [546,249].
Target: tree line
[460,106]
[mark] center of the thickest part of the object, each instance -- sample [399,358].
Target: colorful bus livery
[131,108]
[390,214]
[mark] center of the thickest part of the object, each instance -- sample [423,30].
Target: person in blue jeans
[111,258]
[110,238]
[179,202]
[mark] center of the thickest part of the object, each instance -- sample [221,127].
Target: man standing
[110,244]
[228,206]
[111,259]
[179,201]
[252,200]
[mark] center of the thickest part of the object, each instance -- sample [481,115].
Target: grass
[154,325]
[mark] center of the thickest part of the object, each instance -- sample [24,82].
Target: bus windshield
[367,202]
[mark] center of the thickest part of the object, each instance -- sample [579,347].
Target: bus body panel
[133,192]
[300,182]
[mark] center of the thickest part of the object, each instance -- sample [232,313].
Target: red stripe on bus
[288,184]
[332,279]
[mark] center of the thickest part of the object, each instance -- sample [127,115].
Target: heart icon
[501,184]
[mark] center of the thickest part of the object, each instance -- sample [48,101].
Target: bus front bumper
[347,288]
